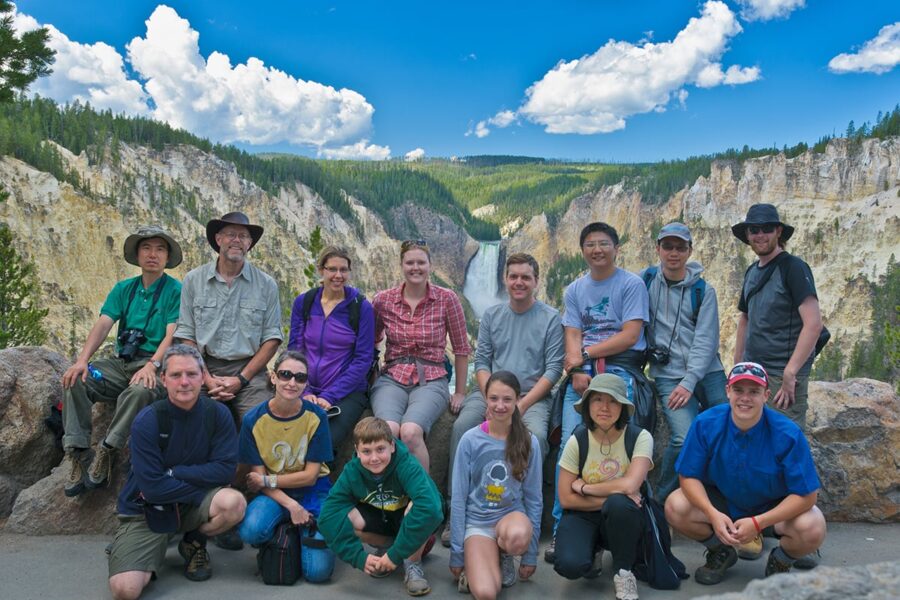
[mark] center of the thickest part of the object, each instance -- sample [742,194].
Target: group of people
[210,426]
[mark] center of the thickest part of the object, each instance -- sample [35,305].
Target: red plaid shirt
[422,334]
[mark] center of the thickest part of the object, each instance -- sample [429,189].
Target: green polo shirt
[165,312]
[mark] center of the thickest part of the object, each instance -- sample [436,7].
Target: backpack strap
[698,291]
[649,274]
[581,436]
[353,309]
[631,435]
[132,290]
[308,299]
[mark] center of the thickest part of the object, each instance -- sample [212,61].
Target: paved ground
[75,567]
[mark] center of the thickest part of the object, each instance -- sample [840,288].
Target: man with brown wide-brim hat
[230,311]
[146,308]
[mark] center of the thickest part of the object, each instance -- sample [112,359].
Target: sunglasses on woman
[285,375]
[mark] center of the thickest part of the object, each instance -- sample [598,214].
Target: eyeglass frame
[284,375]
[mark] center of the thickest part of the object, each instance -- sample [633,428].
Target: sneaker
[229,540]
[596,565]
[508,574]
[774,566]
[550,552]
[462,586]
[416,584]
[75,479]
[196,560]
[626,585]
[752,549]
[810,561]
[101,467]
[445,536]
[718,560]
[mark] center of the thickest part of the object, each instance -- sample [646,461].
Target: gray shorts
[137,548]
[419,404]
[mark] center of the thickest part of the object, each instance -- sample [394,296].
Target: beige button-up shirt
[229,322]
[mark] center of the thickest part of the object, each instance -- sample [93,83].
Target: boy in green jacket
[386,499]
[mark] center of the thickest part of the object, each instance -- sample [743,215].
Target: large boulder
[29,386]
[854,435]
[877,581]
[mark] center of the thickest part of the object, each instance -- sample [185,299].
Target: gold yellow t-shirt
[614,463]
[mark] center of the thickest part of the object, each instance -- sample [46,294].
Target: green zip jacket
[403,481]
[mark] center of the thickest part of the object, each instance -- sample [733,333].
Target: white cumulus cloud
[248,102]
[597,92]
[765,10]
[414,155]
[361,150]
[504,118]
[878,55]
[92,73]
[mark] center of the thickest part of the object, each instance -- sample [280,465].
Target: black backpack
[353,309]
[279,558]
[655,563]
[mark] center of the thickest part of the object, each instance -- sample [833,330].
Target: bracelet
[270,481]
[756,524]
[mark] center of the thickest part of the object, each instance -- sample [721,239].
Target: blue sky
[603,80]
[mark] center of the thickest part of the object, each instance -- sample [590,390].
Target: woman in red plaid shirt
[416,317]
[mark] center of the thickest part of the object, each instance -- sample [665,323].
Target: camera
[659,356]
[130,341]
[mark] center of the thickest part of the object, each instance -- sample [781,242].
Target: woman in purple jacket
[335,329]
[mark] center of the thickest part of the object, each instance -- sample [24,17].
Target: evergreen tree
[20,317]
[315,248]
[22,58]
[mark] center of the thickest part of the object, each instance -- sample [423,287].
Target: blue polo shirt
[754,469]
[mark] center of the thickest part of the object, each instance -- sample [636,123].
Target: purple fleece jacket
[339,359]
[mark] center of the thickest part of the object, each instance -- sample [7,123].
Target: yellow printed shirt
[605,466]
[285,445]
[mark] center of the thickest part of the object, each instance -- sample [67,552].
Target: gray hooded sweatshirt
[694,348]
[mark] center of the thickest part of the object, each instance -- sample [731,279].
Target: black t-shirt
[774,321]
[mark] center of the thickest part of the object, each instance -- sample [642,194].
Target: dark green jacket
[403,481]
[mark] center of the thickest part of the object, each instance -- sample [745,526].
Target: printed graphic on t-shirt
[283,458]
[597,322]
[491,479]
[605,470]
[386,500]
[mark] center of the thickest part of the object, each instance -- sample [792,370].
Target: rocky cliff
[844,204]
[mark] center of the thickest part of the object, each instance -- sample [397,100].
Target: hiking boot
[445,536]
[718,560]
[596,565]
[462,586]
[196,560]
[810,561]
[550,552]
[75,479]
[416,584]
[626,585]
[229,540]
[775,566]
[752,549]
[101,467]
[508,574]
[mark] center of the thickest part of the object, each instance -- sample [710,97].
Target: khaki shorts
[419,404]
[137,548]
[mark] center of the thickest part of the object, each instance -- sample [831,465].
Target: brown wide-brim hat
[232,218]
[761,214]
[145,232]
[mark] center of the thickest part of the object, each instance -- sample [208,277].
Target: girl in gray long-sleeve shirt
[496,501]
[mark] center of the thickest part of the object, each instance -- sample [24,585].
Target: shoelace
[199,559]
[414,571]
[716,558]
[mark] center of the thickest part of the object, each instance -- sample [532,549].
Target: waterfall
[482,286]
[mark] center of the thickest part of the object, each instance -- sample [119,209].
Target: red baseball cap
[750,371]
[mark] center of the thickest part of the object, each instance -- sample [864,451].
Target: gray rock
[879,581]
[29,386]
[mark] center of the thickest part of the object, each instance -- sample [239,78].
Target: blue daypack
[698,290]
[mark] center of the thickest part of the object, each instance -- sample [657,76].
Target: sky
[601,80]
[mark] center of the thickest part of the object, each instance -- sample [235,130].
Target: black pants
[341,426]
[615,527]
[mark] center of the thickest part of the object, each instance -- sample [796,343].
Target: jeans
[570,419]
[709,392]
[263,516]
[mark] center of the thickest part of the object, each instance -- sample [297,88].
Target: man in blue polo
[746,470]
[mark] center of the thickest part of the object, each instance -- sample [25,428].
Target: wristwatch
[156,364]
[585,356]
[244,381]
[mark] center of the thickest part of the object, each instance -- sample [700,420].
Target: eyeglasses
[767,228]
[285,375]
[604,244]
[244,237]
[333,270]
[407,244]
[744,368]
[676,247]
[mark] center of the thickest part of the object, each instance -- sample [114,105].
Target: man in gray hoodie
[684,342]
